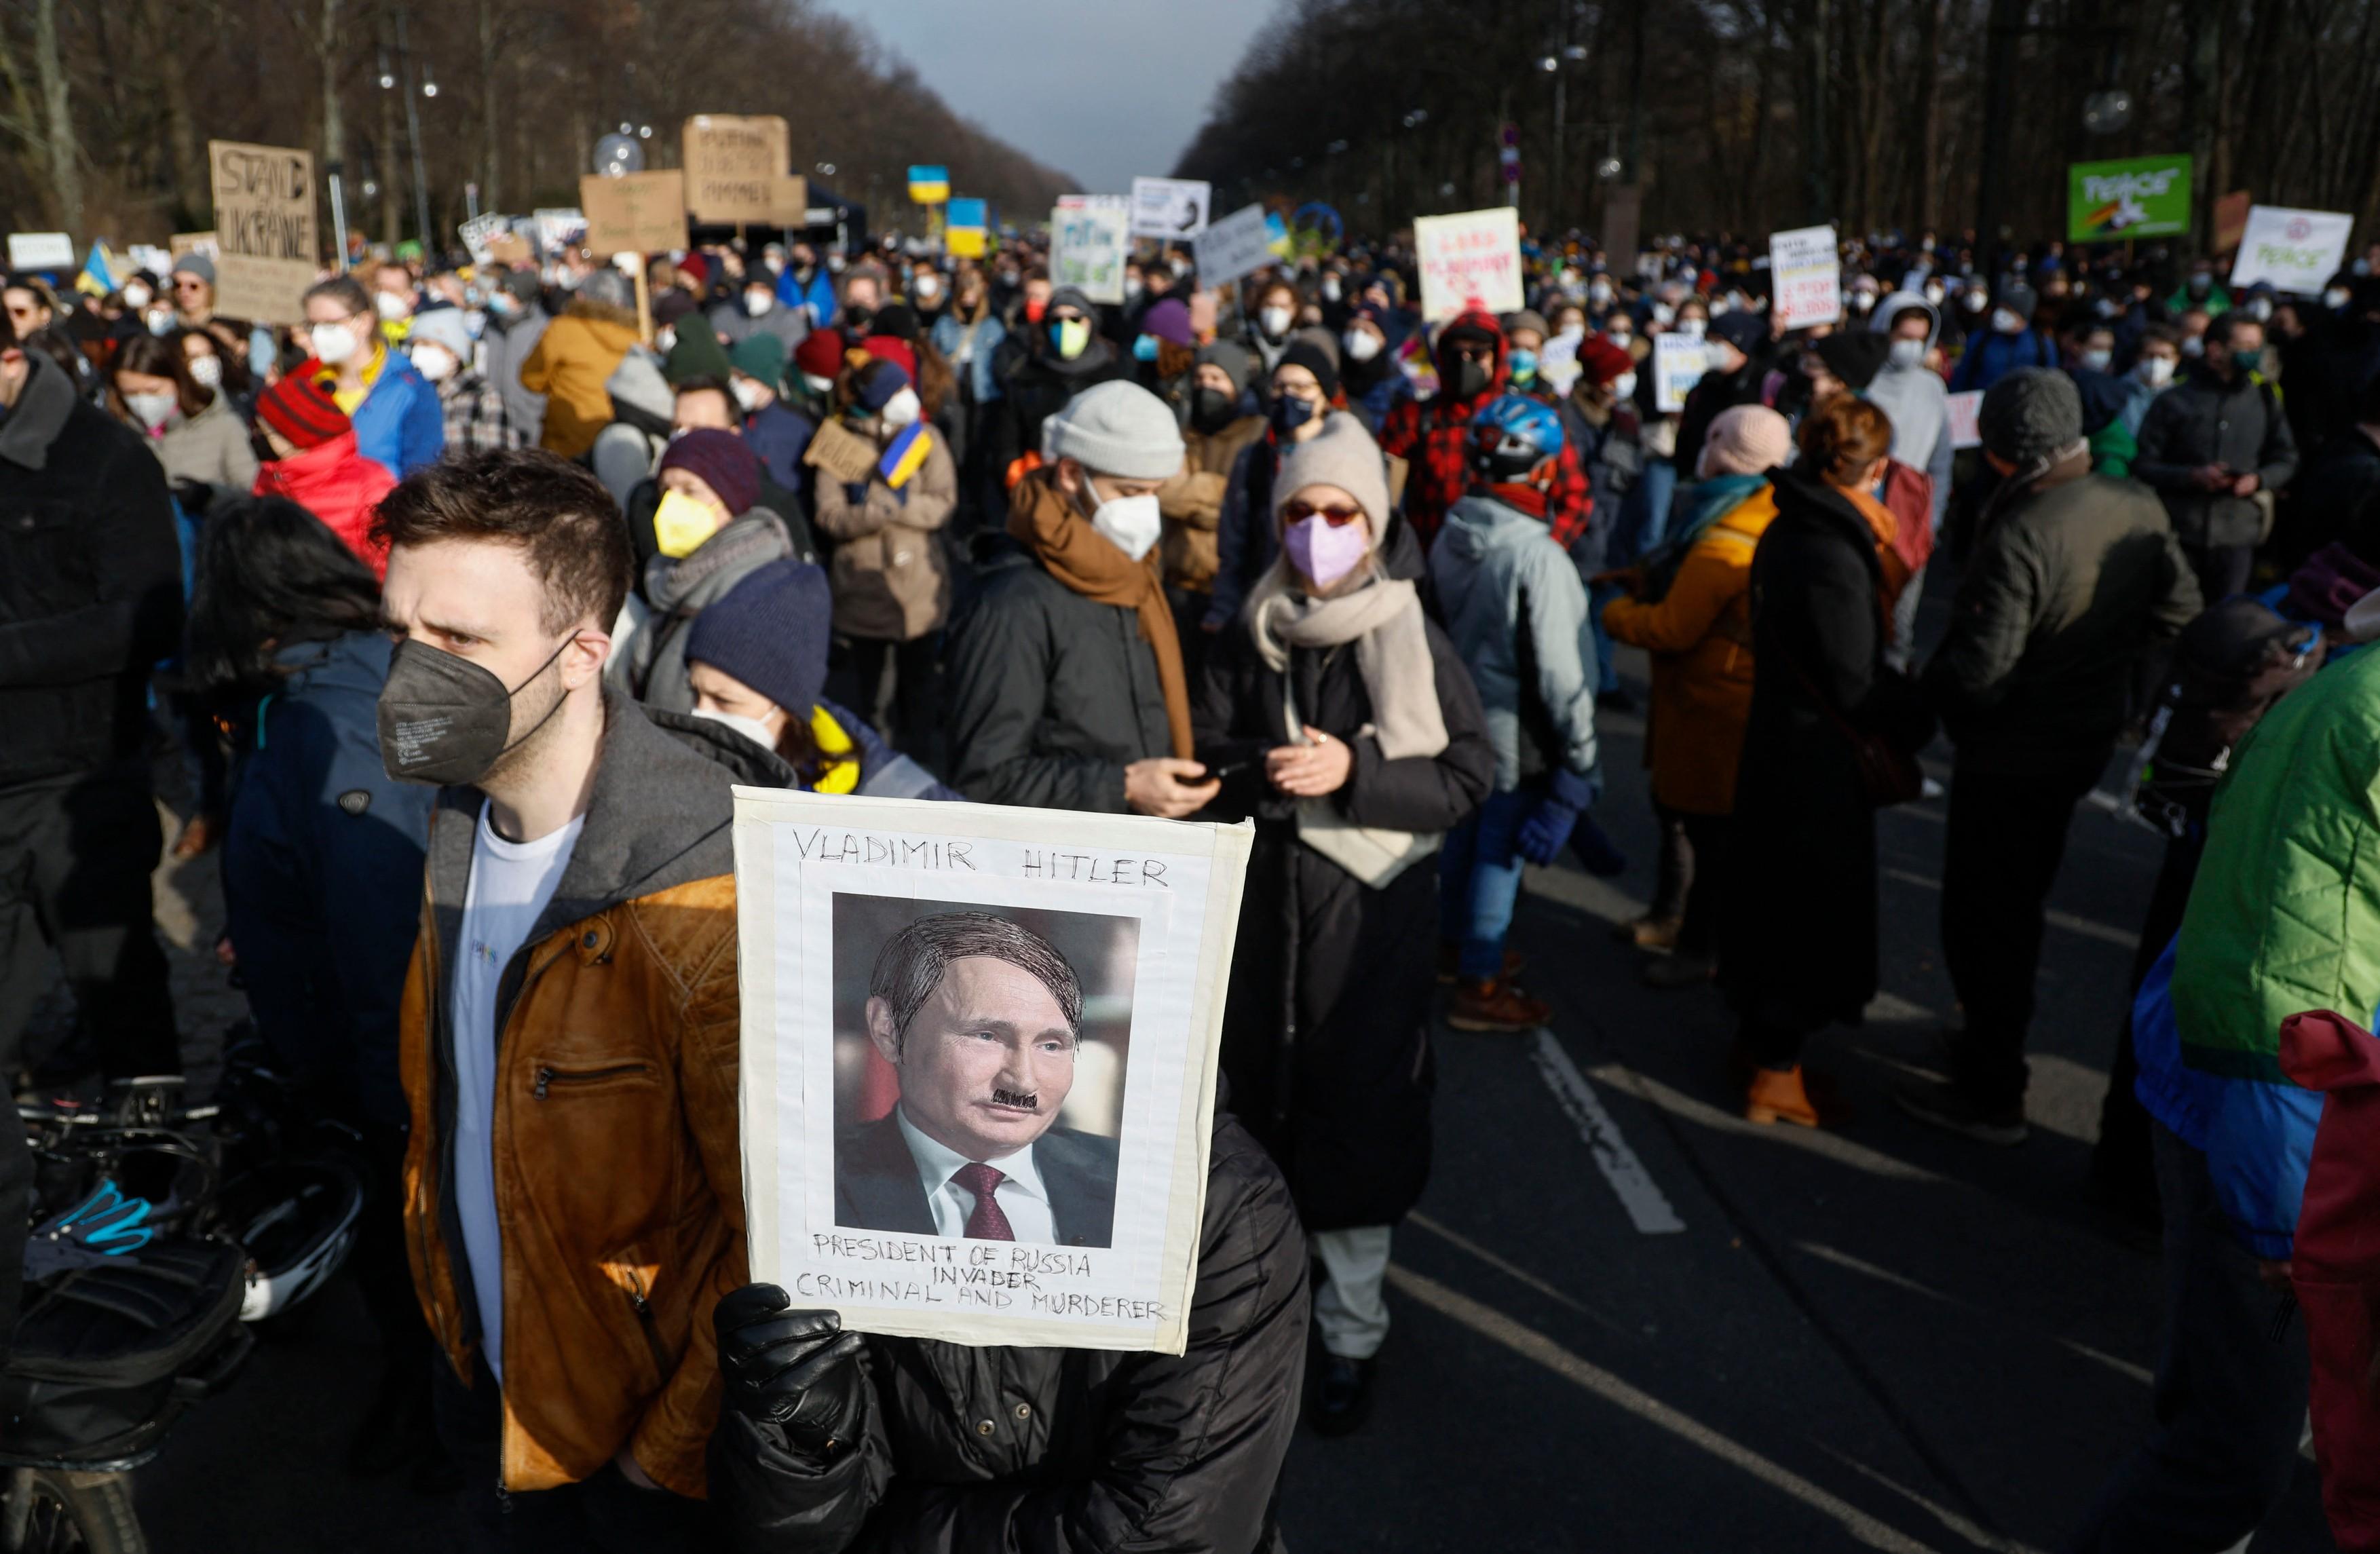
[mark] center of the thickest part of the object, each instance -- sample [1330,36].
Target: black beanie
[1856,355]
[1315,360]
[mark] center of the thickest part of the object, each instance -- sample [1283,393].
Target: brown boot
[1647,932]
[1495,1005]
[1776,1096]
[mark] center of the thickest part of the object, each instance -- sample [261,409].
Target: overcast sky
[1100,89]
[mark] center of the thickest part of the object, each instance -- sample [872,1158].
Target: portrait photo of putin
[976,1107]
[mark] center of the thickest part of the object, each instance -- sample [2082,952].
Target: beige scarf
[1384,619]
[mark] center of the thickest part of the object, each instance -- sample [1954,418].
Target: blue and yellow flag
[906,456]
[98,276]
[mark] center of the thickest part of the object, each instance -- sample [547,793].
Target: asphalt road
[1625,1319]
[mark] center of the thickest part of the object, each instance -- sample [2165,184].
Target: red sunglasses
[1337,518]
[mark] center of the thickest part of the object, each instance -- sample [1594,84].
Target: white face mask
[2155,370]
[207,370]
[1975,302]
[2097,362]
[160,321]
[434,363]
[392,307]
[902,409]
[137,297]
[2336,297]
[332,342]
[2006,322]
[1599,293]
[1624,386]
[1132,524]
[1693,328]
[150,409]
[1664,315]
[1907,353]
[746,392]
[750,728]
[2192,344]
[817,385]
[926,287]
[664,339]
[2259,307]
[757,303]
[1934,295]
[1362,345]
[1274,322]
[1330,289]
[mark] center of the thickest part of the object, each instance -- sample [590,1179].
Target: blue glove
[1549,826]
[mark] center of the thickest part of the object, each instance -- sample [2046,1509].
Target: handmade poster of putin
[982,1019]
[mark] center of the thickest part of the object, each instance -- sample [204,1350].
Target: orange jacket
[572,365]
[339,486]
[1700,636]
[618,1176]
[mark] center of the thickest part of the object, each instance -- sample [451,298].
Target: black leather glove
[797,1370]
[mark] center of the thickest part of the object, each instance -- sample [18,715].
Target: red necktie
[987,1224]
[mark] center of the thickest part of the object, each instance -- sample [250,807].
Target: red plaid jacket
[1433,438]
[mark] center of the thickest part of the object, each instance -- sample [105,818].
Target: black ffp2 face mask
[1471,378]
[444,719]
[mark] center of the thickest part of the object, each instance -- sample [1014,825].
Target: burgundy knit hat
[302,411]
[821,353]
[723,461]
[1603,359]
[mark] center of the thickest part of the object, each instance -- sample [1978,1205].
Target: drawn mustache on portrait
[1024,1100]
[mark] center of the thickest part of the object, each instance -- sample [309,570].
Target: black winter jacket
[2204,421]
[1343,1100]
[91,581]
[990,1451]
[2074,576]
[1051,695]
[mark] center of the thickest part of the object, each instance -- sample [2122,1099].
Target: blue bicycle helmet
[1511,435]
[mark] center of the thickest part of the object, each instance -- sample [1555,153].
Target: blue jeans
[1479,878]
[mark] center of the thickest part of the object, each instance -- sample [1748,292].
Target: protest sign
[789,200]
[2291,251]
[1173,207]
[41,251]
[1240,244]
[636,212]
[192,242]
[1087,246]
[2133,197]
[964,224]
[929,185]
[732,165]
[478,232]
[874,935]
[1805,276]
[560,226]
[1469,259]
[150,257]
[1557,364]
[265,251]
[1966,430]
[1679,361]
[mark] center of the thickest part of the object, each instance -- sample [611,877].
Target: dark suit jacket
[875,1185]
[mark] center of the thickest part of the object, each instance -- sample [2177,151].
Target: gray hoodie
[1492,565]
[1917,400]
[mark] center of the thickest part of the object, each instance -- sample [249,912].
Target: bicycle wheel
[67,1512]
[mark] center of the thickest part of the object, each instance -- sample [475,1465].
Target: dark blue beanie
[769,631]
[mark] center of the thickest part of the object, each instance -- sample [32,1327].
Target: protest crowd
[447,609]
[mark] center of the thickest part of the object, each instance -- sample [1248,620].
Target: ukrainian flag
[907,455]
[98,276]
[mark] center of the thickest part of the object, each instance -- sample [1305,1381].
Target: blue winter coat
[1991,356]
[817,296]
[399,426]
[322,873]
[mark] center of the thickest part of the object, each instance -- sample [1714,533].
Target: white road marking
[1643,1200]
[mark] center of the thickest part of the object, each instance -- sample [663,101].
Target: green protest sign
[2135,197]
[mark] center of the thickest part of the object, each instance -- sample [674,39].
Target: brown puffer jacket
[618,1180]
[890,582]
[1192,502]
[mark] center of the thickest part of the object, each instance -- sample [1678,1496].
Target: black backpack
[105,1358]
[2230,666]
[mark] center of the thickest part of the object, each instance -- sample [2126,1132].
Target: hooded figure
[1042,367]
[1913,395]
[1434,437]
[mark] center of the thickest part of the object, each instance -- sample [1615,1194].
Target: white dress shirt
[1022,1196]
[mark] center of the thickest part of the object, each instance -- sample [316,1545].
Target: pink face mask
[1322,554]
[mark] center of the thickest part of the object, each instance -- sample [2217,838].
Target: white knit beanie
[1116,429]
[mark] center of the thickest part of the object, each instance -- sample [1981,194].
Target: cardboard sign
[1238,245]
[2293,250]
[1113,936]
[478,232]
[732,165]
[41,251]
[1805,276]
[636,212]
[192,242]
[1087,247]
[560,226]
[2132,197]
[1966,410]
[1469,261]
[1679,362]
[509,247]
[1172,208]
[789,200]
[266,253]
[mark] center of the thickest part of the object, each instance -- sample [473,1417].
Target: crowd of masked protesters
[448,618]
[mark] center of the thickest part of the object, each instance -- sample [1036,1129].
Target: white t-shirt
[511,883]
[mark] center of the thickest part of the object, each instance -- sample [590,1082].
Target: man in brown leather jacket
[574,1206]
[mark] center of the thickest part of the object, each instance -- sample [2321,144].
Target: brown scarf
[1045,522]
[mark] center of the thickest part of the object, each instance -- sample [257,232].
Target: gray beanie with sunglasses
[1343,454]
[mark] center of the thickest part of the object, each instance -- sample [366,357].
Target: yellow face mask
[681,523]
